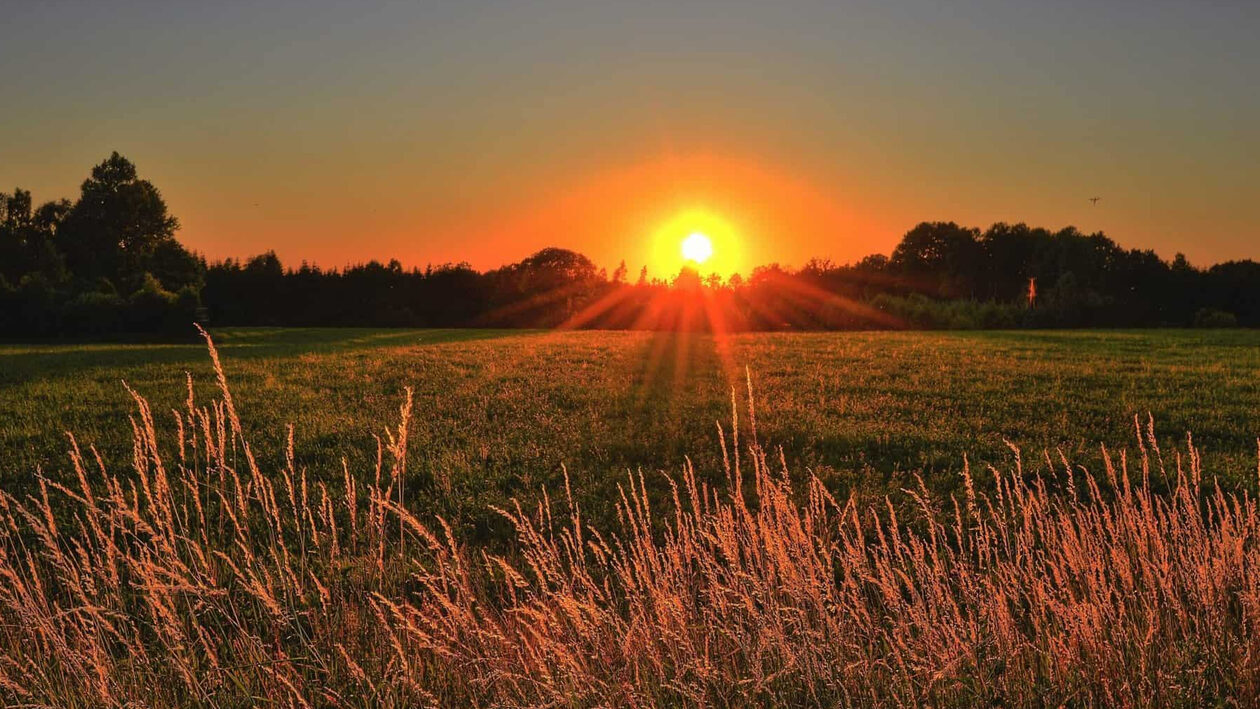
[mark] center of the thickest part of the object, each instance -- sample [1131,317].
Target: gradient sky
[480,132]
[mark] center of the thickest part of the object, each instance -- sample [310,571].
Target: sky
[338,132]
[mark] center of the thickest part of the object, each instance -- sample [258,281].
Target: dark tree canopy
[120,229]
[27,247]
[110,262]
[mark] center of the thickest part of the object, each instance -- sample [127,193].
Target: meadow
[596,518]
[498,412]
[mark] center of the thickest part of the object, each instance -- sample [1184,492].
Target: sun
[697,247]
[698,239]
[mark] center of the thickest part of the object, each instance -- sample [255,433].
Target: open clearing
[497,413]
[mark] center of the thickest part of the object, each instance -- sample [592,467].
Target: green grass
[499,412]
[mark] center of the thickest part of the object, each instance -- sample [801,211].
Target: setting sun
[697,247]
[697,238]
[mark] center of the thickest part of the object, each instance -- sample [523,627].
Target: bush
[1213,318]
[919,311]
[94,313]
[187,310]
[8,307]
[38,305]
[151,307]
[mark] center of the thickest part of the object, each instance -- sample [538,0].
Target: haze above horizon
[481,132]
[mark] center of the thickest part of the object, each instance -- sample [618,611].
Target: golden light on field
[696,238]
[697,248]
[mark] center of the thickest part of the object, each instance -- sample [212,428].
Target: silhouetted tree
[27,236]
[119,230]
[110,262]
[940,257]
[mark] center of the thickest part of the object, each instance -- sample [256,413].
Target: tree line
[109,262]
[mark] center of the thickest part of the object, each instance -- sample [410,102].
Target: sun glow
[697,247]
[696,239]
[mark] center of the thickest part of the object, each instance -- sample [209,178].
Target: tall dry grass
[199,579]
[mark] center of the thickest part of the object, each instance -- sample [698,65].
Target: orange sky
[641,213]
[482,132]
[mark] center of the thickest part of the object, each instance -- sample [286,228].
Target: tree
[1235,288]
[26,238]
[875,263]
[119,229]
[1009,253]
[940,257]
[15,216]
[554,267]
[688,279]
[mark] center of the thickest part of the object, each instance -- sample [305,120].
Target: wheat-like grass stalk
[188,582]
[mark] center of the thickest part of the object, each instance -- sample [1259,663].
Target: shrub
[919,311]
[94,313]
[1212,318]
[150,307]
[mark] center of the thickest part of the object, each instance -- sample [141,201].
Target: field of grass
[498,412]
[220,567]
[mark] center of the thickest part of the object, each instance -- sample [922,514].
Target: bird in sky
[1094,201]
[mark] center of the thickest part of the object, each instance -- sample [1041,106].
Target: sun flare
[697,247]
[696,239]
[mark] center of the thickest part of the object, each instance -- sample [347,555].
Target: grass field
[199,578]
[498,412]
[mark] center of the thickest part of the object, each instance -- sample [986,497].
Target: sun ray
[603,305]
[720,332]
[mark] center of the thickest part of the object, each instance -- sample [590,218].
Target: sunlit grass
[499,412]
[219,571]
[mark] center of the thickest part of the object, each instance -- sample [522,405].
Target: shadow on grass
[20,363]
